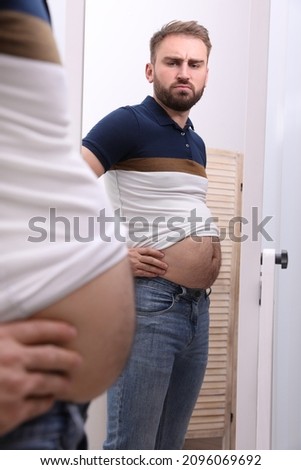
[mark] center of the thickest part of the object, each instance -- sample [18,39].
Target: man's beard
[180,101]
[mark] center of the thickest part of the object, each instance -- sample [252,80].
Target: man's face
[179,72]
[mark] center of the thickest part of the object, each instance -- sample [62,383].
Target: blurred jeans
[61,428]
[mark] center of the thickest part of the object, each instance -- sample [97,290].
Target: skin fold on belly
[193,262]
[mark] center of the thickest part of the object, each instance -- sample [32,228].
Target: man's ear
[149,72]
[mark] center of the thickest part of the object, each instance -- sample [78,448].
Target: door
[281,201]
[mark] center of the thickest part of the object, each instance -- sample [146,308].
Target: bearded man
[153,165]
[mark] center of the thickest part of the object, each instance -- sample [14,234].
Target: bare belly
[193,262]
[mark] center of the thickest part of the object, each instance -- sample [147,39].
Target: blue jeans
[61,428]
[150,405]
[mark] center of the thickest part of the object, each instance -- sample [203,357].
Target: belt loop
[180,293]
[208,292]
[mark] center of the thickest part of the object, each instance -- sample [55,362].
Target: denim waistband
[172,287]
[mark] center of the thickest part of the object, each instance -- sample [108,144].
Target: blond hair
[189,28]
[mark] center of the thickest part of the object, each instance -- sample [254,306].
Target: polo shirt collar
[161,115]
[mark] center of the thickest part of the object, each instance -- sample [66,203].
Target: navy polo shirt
[141,131]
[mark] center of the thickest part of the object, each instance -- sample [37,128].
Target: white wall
[117,49]
[68,26]
[58,20]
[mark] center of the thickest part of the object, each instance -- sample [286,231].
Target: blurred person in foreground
[66,297]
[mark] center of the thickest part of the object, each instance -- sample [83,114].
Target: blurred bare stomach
[193,262]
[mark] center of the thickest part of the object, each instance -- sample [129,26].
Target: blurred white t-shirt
[57,228]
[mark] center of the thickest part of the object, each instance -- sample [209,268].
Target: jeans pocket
[152,301]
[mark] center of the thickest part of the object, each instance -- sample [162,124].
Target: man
[53,267]
[153,165]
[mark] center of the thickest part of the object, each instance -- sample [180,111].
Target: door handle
[280,258]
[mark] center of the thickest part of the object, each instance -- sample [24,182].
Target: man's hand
[147,262]
[34,368]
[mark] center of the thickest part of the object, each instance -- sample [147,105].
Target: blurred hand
[34,368]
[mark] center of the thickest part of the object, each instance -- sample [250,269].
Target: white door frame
[248,320]
[74,62]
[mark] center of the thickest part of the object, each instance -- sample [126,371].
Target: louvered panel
[210,418]
[218,329]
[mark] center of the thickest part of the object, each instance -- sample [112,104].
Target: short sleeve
[113,138]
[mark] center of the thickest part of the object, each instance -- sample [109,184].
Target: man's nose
[183,71]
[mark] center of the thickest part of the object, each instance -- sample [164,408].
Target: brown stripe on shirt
[27,36]
[161,164]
